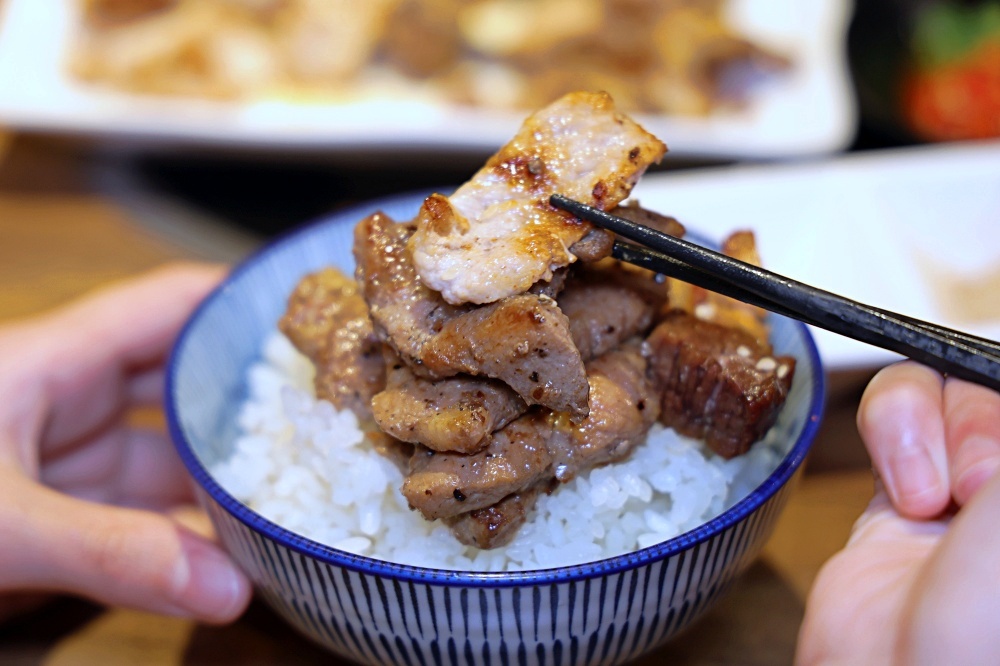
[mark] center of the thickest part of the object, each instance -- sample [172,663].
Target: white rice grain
[308,467]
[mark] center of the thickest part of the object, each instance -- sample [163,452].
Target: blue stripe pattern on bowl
[377,612]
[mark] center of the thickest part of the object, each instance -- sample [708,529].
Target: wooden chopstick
[952,352]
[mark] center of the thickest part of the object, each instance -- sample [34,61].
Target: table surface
[65,231]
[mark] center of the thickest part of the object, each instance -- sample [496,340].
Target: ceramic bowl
[374,612]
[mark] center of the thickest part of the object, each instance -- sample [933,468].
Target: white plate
[915,231]
[810,111]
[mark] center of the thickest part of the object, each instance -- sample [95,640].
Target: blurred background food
[716,78]
[127,140]
[927,70]
[672,56]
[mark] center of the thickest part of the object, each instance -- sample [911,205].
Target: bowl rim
[745,507]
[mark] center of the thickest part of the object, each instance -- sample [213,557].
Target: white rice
[307,467]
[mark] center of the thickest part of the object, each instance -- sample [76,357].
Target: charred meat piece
[719,384]
[454,414]
[541,445]
[523,340]
[457,414]
[723,310]
[652,287]
[497,234]
[597,243]
[603,315]
[594,246]
[623,407]
[441,485]
[553,287]
[327,320]
[495,525]
[404,312]
[631,210]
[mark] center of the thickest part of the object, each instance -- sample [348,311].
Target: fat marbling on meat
[717,383]
[497,234]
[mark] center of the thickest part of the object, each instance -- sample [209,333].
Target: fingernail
[914,474]
[979,461]
[214,587]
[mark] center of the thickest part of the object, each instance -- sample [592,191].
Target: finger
[955,615]
[901,421]
[972,434]
[130,467]
[121,557]
[873,572]
[69,375]
[146,388]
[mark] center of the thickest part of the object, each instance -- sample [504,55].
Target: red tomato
[960,100]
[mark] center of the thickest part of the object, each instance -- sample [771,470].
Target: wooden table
[61,234]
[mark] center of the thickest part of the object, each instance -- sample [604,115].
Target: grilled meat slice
[496,525]
[631,210]
[541,445]
[523,340]
[327,320]
[441,485]
[457,414]
[717,383]
[603,315]
[652,287]
[405,313]
[723,310]
[553,287]
[623,407]
[595,245]
[497,234]
[454,414]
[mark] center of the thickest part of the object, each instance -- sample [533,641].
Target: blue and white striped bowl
[376,612]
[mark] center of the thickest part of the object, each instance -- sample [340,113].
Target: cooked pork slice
[553,287]
[327,320]
[541,445]
[723,310]
[523,340]
[646,283]
[497,234]
[405,312]
[447,484]
[454,414]
[718,384]
[458,413]
[623,407]
[631,210]
[603,315]
[594,246]
[597,243]
[495,525]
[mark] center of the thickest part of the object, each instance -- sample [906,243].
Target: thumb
[117,556]
[956,617]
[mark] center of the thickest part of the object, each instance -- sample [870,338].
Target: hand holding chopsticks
[952,352]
